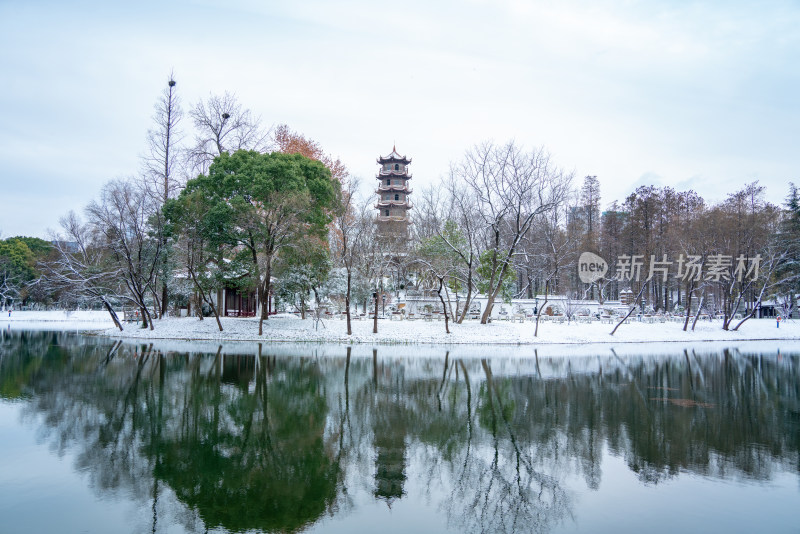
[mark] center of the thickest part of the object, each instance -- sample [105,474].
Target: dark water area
[103,436]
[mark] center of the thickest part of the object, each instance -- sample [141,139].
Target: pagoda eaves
[393,157]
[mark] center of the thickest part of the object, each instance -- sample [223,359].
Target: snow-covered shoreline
[292,329]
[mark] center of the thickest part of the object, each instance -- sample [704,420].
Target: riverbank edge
[383,342]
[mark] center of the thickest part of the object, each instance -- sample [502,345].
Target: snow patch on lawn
[284,329]
[288,328]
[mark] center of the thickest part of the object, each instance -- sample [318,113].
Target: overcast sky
[700,95]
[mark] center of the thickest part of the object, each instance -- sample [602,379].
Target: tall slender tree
[161,171]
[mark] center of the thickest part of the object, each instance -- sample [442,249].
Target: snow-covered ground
[56,320]
[289,335]
[285,328]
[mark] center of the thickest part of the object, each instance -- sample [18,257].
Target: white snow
[56,320]
[288,328]
[287,334]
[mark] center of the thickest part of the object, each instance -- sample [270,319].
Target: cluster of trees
[506,223]
[19,258]
[696,257]
[260,205]
[267,210]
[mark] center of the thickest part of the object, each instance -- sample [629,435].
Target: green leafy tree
[489,266]
[16,269]
[193,225]
[265,203]
[39,247]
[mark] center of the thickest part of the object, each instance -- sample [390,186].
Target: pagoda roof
[394,203]
[394,156]
[389,174]
[393,188]
[392,218]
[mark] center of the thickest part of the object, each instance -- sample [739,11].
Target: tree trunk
[633,307]
[347,302]
[147,321]
[460,318]
[216,316]
[205,298]
[492,295]
[317,310]
[498,282]
[164,299]
[539,311]
[156,303]
[697,315]
[746,317]
[113,314]
[375,320]
[265,287]
[444,306]
[688,305]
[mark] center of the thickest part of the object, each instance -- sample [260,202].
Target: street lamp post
[383,307]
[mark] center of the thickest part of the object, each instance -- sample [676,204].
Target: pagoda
[393,192]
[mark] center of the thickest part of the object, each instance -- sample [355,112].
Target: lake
[103,436]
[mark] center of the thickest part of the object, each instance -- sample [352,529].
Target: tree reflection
[256,460]
[258,442]
[242,453]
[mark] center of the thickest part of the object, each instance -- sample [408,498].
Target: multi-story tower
[393,192]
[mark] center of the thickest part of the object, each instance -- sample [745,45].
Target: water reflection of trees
[242,451]
[259,442]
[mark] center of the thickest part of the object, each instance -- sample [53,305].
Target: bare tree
[82,268]
[350,235]
[9,288]
[774,257]
[161,171]
[162,160]
[448,213]
[437,270]
[635,303]
[511,188]
[222,125]
[123,216]
[375,256]
[547,252]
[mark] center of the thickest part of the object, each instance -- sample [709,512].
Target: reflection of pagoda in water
[390,454]
[393,193]
[389,426]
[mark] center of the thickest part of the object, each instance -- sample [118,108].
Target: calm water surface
[97,436]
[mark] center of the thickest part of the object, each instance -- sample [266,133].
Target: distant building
[626,297]
[393,196]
